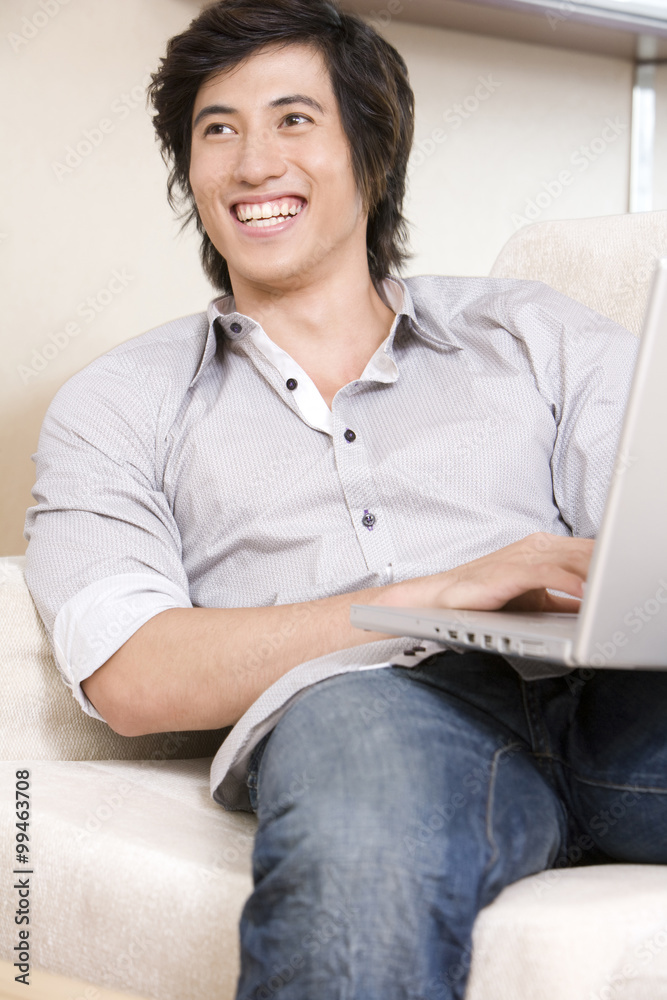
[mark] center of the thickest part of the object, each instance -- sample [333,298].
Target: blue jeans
[394,803]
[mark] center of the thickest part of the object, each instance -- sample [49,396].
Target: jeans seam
[611,784]
[574,776]
[490,803]
[539,735]
[252,777]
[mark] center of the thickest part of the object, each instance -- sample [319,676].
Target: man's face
[268,140]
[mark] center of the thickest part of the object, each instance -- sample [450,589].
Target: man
[220,490]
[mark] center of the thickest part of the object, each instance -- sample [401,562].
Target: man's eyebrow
[279,102]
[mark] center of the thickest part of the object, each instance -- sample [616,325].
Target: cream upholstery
[39,719]
[606,263]
[141,878]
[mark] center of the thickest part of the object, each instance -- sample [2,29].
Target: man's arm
[202,668]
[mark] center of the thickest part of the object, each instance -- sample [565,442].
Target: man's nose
[259,156]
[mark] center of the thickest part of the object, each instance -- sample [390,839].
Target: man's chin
[274,281]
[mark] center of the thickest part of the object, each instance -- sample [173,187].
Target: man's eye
[215,129]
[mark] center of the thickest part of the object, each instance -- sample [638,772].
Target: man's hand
[514,578]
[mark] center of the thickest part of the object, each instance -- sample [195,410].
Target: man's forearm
[202,668]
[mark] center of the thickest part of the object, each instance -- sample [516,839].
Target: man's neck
[330,327]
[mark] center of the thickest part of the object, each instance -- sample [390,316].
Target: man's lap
[597,738]
[394,784]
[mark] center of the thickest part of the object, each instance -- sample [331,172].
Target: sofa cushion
[140,880]
[589,933]
[139,876]
[607,263]
[39,717]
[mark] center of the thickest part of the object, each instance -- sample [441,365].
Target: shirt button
[236,328]
[368,520]
[291,383]
[349,435]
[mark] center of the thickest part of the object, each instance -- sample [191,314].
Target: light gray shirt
[197,465]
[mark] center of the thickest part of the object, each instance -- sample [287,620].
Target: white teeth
[264,223]
[268,210]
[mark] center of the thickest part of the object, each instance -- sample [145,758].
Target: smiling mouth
[268,214]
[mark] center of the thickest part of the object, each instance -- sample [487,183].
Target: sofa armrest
[39,717]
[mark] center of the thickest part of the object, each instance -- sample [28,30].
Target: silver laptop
[622,620]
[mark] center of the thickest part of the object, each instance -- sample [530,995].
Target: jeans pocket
[253,770]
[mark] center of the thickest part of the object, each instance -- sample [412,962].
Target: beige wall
[536,143]
[100,228]
[101,231]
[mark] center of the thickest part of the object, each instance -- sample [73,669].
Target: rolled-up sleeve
[104,552]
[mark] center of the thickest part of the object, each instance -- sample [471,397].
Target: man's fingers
[542,600]
[573,554]
[491,588]
[554,602]
[515,577]
[557,577]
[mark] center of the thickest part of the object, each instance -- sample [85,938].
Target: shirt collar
[394,291]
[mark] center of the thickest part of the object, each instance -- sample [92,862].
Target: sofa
[139,877]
